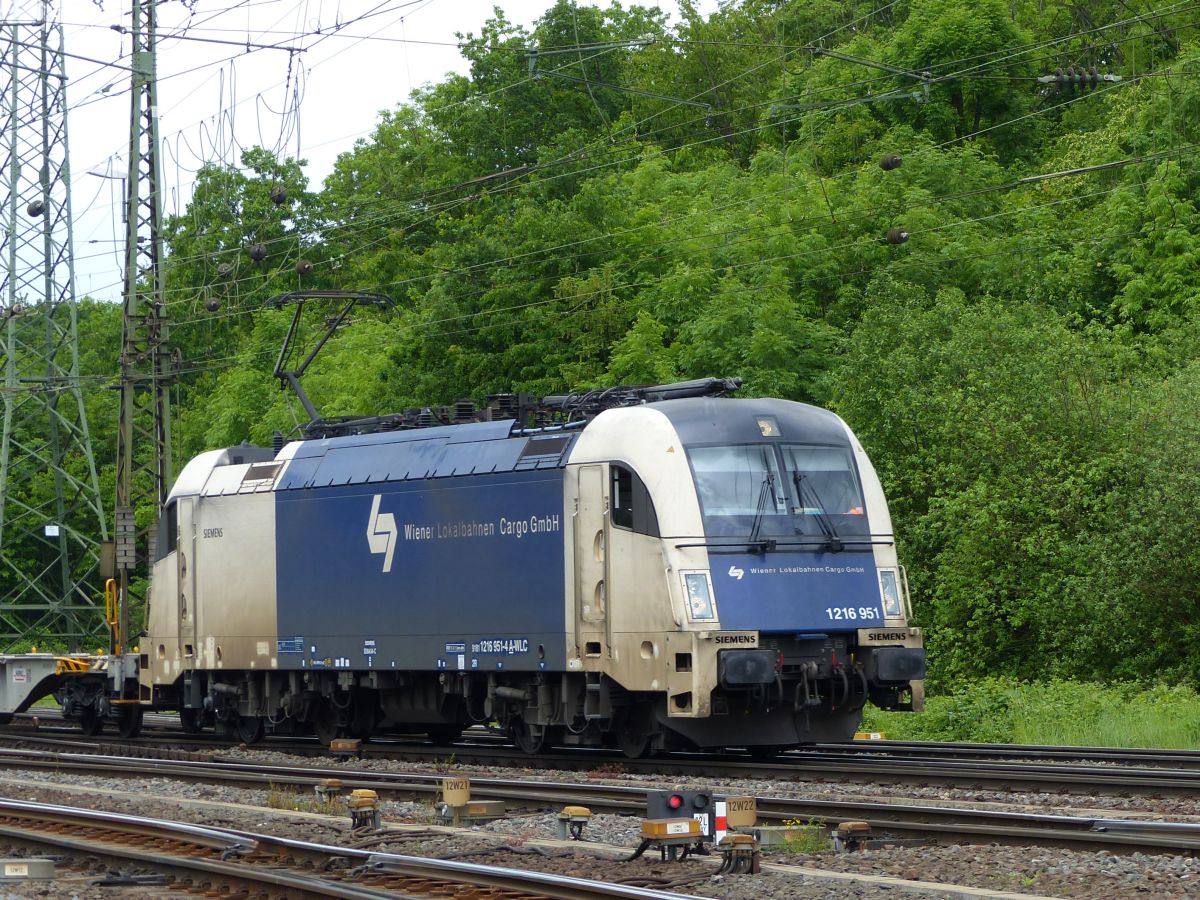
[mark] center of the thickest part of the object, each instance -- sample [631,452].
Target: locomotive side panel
[460,573]
[234,616]
[212,603]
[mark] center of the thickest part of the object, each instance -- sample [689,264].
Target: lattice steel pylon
[144,469]
[52,519]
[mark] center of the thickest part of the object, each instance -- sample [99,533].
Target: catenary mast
[52,520]
[144,440]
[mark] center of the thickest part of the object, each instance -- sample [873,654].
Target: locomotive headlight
[699,597]
[889,589]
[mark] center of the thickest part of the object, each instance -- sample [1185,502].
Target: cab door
[162,606]
[185,561]
[591,563]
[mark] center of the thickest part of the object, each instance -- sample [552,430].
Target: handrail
[111,613]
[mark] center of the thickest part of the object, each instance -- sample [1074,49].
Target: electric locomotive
[644,568]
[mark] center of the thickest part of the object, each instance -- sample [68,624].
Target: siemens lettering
[749,640]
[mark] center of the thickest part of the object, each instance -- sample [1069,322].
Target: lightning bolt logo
[734,572]
[382,534]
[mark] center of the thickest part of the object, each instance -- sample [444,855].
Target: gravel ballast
[517,841]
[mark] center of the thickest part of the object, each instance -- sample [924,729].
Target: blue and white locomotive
[659,567]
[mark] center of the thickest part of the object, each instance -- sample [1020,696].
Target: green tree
[964,47]
[1000,436]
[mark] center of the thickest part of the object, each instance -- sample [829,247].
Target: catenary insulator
[258,252]
[891,161]
[212,304]
[279,195]
[304,267]
[897,236]
[35,209]
[225,269]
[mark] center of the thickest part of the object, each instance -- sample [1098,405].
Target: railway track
[882,763]
[161,725]
[1147,757]
[220,862]
[905,819]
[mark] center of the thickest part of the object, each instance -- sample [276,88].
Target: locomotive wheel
[191,721]
[362,720]
[635,730]
[526,739]
[325,724]
[129,721]
[446,733]
[90,722]
[250,729]
[633,743]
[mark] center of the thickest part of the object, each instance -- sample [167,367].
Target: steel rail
[555,887]
[887,817]
[1138,756]
[262,860]
[185,851]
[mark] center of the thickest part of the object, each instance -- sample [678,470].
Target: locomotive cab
[773,594]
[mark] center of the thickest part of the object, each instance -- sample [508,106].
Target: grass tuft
[1070,713]
[281,798]
[806,837]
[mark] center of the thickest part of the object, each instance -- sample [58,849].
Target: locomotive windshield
[775,491]
[825,487]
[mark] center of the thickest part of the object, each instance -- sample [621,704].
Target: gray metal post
[144,469]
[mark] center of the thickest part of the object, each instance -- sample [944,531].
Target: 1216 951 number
[851,613]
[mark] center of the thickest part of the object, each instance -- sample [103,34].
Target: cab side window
[631,505]
[167,536]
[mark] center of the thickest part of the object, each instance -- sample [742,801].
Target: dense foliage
[1023,369]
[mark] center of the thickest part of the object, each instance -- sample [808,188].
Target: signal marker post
[734,813]
[456,793]
[739,852]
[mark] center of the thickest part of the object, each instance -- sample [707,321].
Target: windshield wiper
[833,541]
[765,494]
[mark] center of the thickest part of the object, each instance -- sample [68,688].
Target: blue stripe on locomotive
[796,591]
[475,577]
